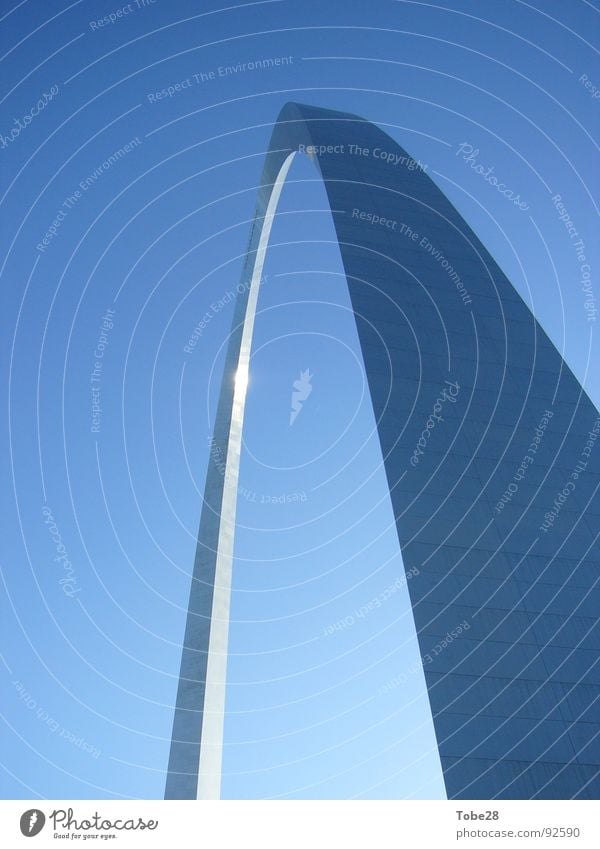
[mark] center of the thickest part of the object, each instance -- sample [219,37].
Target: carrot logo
[302,389]
[32,822]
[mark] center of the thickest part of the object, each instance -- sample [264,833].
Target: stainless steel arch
[439,311]
[213,714]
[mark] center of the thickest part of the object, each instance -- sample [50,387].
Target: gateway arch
[490,451]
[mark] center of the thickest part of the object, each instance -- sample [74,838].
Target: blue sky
[100,524]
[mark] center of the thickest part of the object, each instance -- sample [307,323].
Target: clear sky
[131,147]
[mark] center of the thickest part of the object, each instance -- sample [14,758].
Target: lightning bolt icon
[32,820]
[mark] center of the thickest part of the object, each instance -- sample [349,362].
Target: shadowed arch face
[467,390]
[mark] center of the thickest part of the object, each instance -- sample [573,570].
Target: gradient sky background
[88,680]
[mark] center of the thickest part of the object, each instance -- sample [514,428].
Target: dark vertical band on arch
[489,445]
